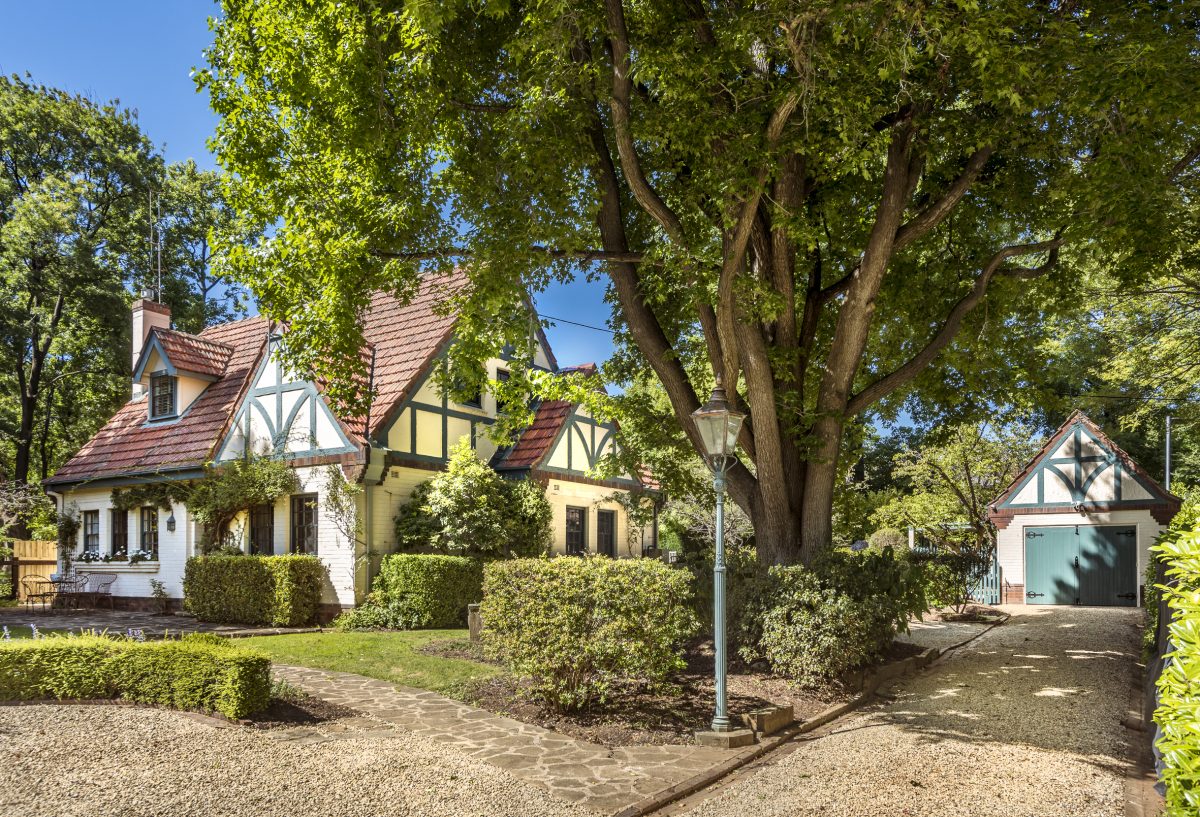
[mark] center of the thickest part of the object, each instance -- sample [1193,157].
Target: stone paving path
[601,778]
[153,625]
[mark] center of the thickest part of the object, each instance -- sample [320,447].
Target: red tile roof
[127,445]
[407,338]
[194,353]
[535,442]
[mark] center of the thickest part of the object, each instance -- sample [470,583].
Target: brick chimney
[147,314]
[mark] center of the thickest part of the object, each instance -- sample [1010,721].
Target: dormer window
[162,396]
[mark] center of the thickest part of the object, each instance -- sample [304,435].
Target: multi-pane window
[119,527]
[576,530]
[262,530]
[91,531]
[162,396]
[149,531]
[304,523]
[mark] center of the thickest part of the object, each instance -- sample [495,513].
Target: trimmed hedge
[192,674]
[576,628]
[419,591]
[284,591]
[1178,693]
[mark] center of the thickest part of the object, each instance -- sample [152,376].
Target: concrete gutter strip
[885,674]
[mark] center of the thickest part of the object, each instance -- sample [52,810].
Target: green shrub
[811,633]
[419,591]
[814,624]
[575,627]
[1178,694]
[888,538]
[470,510]
[6,588]
[183,674]
[284,591]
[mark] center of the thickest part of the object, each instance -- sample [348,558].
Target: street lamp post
[719,426]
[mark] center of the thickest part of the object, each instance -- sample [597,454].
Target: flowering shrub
[89,556]
[142,556]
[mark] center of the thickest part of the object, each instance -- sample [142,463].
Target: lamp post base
[732,739]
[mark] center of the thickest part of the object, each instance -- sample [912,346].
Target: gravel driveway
[1022,722]
[63,761]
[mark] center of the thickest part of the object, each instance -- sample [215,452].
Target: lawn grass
[388,656]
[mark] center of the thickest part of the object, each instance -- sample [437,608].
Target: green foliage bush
[814,624]
[574,628]
[284,591]
[187,673]
[470,510]
[6,588]
[1178,693]
[419,591]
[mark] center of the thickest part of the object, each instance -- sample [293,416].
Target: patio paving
[152,625]
[598,777]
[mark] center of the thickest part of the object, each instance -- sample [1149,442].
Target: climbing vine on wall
[231,488]
[158,495]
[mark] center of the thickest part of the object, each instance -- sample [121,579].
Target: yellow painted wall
[563,493]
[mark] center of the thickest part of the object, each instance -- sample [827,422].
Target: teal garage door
[1094,565]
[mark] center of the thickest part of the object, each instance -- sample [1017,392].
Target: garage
[1075,527]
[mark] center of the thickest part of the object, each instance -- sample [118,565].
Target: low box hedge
[188,673]
[419,591]
[283,591]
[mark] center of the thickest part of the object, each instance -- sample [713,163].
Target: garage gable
[1081,468]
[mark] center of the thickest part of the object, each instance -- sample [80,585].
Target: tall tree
[825,193]
[73,175]
[193,208]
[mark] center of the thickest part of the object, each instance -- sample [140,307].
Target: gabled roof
[407,338]
[537,440]
[1026,495]
[193,353]
[127,444]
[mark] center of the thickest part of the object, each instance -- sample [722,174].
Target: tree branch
[1180,167]
[917,363]
[464,252]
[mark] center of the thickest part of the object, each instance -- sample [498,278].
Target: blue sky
[142,52]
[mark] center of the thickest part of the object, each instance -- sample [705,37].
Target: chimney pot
[147,315]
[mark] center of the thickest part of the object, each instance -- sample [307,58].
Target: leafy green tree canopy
[823,194]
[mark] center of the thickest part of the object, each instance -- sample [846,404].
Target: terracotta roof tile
[535,441]
[127,444]
[194,353]
[407,338]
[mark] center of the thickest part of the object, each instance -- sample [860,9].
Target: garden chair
[37,589]
[72,590]
[99,586]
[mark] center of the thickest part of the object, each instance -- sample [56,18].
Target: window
[162,396]
[262,530]
[149,538]
[606,533]
[119,541]
[502,376]
[91,531]
[304,523]
[576,531]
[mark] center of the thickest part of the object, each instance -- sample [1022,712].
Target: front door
[606,533]
[1093,565]
[576,531]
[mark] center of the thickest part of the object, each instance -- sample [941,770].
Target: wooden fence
[31,557]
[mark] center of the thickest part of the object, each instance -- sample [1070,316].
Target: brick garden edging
[870,685]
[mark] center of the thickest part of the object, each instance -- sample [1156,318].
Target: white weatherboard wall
[1010,541]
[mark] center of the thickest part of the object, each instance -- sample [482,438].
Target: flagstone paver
[602,778]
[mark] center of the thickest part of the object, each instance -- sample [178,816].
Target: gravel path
[1022,722]
[62,761]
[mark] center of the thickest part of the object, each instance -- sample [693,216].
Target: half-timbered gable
[283,415]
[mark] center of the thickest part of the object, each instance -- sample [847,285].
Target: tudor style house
[212,397]
[1075,527]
